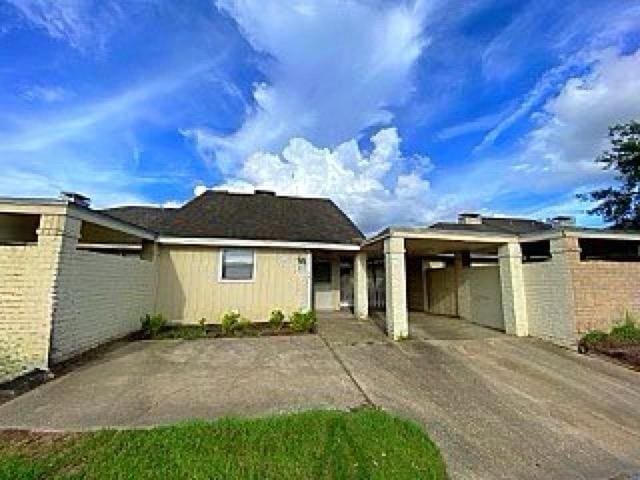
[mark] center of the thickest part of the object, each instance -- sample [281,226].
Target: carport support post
[396,288]
[361,295]
[513,296]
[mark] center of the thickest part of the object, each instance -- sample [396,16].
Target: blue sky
[402,112]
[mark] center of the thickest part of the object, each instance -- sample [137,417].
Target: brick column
[514,305]
[57,239]
[396,288]
[360,286]
[565,253]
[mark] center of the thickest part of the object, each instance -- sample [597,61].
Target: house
[73,277]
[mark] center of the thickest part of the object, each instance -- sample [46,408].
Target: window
[322,272]
[237,264]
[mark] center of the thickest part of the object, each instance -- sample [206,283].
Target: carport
[476,276]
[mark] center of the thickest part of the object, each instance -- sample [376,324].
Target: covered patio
[476,276]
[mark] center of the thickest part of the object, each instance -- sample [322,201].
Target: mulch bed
[215,331]
[626,353]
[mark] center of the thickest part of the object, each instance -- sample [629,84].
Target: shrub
[590,339]
[244,326]
[276,319]
[203,326]
[229,321]
[627,331]
[303,321]
[151,324]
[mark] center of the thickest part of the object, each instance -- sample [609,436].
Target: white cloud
[372,187]
[479,124]
[572,127]
[83,24]
[333,68]
[47,94]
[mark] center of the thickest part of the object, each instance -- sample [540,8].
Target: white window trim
[229,280]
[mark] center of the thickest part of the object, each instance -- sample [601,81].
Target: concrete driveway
[163,381]
[498,406]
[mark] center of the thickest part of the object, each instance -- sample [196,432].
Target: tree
[620,205]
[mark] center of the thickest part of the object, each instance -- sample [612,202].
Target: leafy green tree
[620,205]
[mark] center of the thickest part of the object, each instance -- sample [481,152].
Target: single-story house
[73,277]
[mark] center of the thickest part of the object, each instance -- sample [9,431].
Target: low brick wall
[26,277]
[603,291]
[98,297]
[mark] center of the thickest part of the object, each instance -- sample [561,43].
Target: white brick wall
[549,301]
[98,297]
[26,276]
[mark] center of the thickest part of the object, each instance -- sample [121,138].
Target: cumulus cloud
[331,70]
[375,188]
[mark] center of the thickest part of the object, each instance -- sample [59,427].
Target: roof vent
[76,198]
[265,192]
[562,221]
[470,218]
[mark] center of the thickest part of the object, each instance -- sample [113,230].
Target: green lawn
[363,444]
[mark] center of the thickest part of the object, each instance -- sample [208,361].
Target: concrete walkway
[498,406]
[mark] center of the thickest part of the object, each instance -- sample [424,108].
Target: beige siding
[441,288]
[415,285]
[189,288]
[486,296]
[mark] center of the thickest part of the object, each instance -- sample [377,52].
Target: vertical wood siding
[189,288]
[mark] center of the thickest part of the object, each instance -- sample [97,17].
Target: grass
[363,444]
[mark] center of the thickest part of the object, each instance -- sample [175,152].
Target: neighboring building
[72,277]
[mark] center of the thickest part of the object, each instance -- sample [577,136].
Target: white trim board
[235,242]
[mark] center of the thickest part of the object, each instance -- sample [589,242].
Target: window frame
[232,280]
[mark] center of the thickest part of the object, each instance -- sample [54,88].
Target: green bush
[244,326]
[276,319]
[229,321]
[151,324]
[303,321]
[592,338]
[627,331]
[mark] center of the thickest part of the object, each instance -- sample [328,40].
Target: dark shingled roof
[514,226]
[258,216]
[155,219]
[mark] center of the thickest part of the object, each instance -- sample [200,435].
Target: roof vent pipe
[76,198]
[470,218]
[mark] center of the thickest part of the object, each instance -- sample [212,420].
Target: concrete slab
[506,407]
[439,327]
[344,329]
[499,407]
[157,382]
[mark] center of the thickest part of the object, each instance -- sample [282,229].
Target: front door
[346,285]
[323,294]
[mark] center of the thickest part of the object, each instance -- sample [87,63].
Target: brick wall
[98,297]
[548,302]
[26,277]
[603,291]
